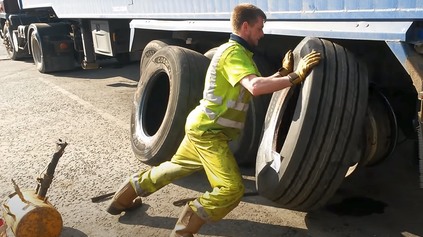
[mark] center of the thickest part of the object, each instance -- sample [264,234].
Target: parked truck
[304,140]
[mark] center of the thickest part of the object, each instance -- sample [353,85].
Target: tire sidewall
[36,48]
[185,70]
[302,170]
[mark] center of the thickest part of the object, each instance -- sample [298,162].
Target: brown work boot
[188,223]
[124,199]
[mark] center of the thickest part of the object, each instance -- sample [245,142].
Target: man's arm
[283,78]
[265,85]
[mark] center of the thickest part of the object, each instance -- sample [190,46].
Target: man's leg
[224,176]
[142,184]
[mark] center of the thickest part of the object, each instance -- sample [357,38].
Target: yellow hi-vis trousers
[207,151]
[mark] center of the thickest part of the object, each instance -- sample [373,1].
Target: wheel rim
[381,131]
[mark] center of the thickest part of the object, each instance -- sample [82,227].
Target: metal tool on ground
[178,203]
[102,197]
[28,212]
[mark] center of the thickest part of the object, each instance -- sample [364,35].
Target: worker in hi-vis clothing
[231,80]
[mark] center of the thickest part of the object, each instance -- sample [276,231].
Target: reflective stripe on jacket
[225,101]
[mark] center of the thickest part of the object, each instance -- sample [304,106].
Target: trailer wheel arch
[301,163]
[168,90]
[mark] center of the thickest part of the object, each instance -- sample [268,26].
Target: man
[232,79]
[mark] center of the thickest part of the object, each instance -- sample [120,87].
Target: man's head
[248,22]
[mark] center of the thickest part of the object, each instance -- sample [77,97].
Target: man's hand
[304,67]
[287,64]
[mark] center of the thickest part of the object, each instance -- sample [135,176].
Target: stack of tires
[306,137]
[170,86]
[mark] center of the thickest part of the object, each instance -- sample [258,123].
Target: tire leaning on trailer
[155,45]
[311,134]
[169,88]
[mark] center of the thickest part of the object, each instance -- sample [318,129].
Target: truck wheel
[210,53]
[8,43]
[169,88]
[37,52]
[380,129]
[155,45]
[51,47]
[311,132]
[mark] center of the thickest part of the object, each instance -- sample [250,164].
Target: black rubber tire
[155,45]
[2,35]
[311,133]
[170,87]
[8,43]
[44,41]
[380,129]
[210,53]
[37,52]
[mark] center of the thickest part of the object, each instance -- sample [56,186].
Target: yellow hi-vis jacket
[225,101]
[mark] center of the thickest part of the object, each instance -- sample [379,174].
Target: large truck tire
[52,47]
[155,45]
[10,46]
[312,132]
[37,52]
[380,129]
[169,88]
[210,53]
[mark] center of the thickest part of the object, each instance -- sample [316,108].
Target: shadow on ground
[226,227]
[384,200]
[71,232]
[108,69]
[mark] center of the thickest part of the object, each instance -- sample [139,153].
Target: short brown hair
[245,12]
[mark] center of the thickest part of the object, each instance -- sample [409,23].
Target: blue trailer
[303,141]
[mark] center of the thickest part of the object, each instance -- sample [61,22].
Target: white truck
[304,140]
